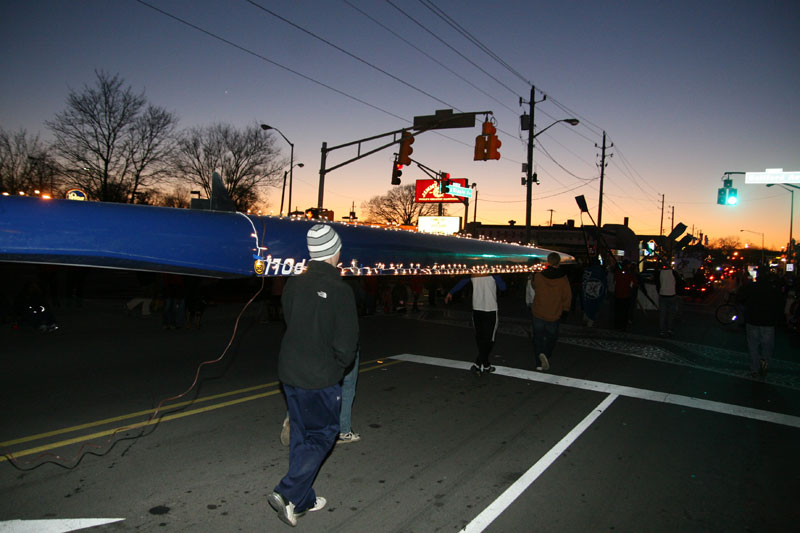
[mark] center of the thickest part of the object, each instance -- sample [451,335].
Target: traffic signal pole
[443,118]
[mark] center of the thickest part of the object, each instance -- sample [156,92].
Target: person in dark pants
[553,298]
[763,304]
[320,344]
[484,315]
[624,283]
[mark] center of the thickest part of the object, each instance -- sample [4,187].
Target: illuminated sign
[76,194]
[439,225]
[772,175]
[428,191]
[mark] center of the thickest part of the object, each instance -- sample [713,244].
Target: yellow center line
[166,418]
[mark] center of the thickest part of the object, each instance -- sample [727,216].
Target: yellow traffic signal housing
[405,149]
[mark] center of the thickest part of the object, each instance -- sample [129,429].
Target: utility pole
[530,177]
[602,177]
[551,216]
[672,218]
[661,227]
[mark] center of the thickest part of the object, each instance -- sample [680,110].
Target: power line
[350,54]
[474,40]
[471,62]
[423,52]
[270,61]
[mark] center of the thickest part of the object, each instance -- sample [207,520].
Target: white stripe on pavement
[496,508]
[621,390]
[53,526]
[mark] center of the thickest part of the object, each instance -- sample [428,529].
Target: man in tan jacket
[553,297]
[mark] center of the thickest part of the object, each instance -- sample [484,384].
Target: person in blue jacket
[484,315]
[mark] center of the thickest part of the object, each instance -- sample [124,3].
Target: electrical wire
[270,61]
[468,60]
[470,37]
[112,439]
[350,54]
[426,54]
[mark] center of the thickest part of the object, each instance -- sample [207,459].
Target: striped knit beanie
[323,242]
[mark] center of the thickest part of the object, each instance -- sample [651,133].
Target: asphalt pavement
[627,432]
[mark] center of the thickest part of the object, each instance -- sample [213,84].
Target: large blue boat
[231,244]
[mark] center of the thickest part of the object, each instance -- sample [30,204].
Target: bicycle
[727,312]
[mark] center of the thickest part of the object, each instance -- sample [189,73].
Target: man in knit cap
[320,343]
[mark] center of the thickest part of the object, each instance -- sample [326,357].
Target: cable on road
[58,460]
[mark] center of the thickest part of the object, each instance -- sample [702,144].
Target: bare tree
[92,137]
[727,245]
[26,164]
[178,196]
[149,147]
[245,159]
[398,206]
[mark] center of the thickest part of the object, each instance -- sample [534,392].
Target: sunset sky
[685,91]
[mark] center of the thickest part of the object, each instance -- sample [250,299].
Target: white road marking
[496,508]
[488,515]
[53,526]
[621,390]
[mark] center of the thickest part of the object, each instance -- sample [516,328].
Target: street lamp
[283,189]
[291,164]
[762,241]
[529,180]
[790,250]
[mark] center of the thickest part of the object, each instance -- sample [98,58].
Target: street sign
[457,190]
[444,118]
[772,175]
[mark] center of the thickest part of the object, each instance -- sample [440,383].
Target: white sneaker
[285,510]
[318,504]
[545,363]
[350,436]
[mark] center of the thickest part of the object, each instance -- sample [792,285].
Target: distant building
[580,242]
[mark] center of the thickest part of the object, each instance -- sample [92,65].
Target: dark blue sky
[686,90]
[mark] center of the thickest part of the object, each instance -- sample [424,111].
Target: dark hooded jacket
[321,336]
[553,294]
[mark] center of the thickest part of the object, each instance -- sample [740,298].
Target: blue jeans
[348,394]
[760,344]
[545,334]
[314,416]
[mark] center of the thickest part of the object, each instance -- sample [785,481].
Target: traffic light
[405,148]
[494,144]
[487,143]
[397,171]
[444,183]
[480,148]
[727,195]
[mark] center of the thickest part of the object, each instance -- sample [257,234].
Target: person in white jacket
[484,315]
